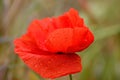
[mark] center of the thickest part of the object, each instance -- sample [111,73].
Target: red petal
[59,40]
[69,40]
[27,44]
[70,19]
[39,29]
[75,19]
[64,22]
[53,66]
[82,38]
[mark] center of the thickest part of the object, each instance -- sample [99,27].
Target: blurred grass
[101,61]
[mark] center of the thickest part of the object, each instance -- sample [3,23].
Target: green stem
[70,76]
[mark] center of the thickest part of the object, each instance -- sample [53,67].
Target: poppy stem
[70,76]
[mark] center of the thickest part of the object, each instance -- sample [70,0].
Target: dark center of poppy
[59,52]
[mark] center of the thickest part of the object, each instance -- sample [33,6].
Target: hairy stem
[70,76]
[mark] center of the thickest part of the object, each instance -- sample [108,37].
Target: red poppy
[49,45]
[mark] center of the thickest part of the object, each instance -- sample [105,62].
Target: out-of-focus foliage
[101,61]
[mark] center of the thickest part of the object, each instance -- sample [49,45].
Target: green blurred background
[101,61]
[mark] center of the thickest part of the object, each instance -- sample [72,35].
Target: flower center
[59,52]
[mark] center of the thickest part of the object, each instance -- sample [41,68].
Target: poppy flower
[49,46]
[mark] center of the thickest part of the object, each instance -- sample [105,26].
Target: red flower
[49,45]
